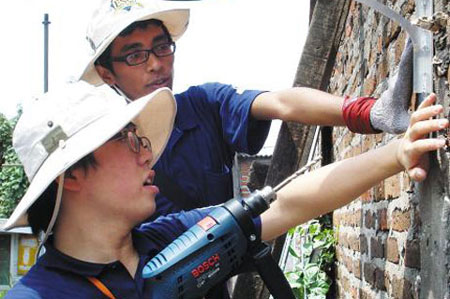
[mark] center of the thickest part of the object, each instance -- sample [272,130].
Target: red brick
[392,187]
[354,242]
[357,268]
[408,7]
[401,288]
[392,250]
[348,263]
[369,143]
[380,279]
[352,7]
[356,218]
[378,191]
[366,197]
[339,253]
[376,247]
[345,283]
[369,273]
[342,239]
[379,138]
[336,219]
[354,293]
[379,44]
[382,68]
[406,179]
[369,220]
[382,220]
[363,244]
[348,30]
[412,254]
[364,295]
[401,220]
[369,85]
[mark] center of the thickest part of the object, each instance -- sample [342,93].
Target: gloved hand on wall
[390,112]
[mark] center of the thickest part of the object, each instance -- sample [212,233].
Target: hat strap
[55,212]
[120,92]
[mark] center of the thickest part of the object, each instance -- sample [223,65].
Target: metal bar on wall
[423,53]
[422,41]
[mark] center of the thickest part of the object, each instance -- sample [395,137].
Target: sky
[254,44]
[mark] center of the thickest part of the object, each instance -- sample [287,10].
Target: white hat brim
[155,111]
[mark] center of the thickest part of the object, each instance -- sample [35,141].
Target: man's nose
[145,156]
[153,63]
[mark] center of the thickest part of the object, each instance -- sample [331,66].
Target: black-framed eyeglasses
[134,141]
[141,56]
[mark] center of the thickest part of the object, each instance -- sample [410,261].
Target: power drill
[211,250]
[218,245]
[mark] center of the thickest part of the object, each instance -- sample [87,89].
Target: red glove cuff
[356,113]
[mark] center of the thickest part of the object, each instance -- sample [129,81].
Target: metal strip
[423,54]
[421,38]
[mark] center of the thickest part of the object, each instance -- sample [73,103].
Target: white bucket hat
[60,128]
[113,16]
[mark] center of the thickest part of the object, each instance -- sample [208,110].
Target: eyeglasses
[134,141]
[141,56]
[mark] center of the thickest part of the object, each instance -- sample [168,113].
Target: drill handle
[271,273]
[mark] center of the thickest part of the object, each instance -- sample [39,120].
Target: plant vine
[313,254]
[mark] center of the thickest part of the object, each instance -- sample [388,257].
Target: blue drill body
[208,252]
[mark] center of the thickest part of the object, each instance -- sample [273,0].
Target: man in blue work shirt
[89,155]
[133,46]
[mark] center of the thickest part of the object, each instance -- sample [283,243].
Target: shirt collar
[53,258]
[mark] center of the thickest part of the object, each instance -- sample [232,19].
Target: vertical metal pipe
[423,53]
[46,22]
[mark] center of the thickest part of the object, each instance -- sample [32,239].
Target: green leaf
[316,241]
[13,181]
[293,252]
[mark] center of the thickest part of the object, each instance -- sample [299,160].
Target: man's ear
[72,180]
[106,75]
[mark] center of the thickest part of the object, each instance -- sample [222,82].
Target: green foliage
[13,181]
[315,255]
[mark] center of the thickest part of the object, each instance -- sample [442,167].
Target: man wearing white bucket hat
[133,46]
[88,155]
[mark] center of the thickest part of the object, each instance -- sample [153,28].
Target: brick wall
[252,172]
[378,251]
[245,166]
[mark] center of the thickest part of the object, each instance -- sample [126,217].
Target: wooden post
[294,140]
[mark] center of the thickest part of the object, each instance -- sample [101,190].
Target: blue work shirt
[57,275]
[213,122]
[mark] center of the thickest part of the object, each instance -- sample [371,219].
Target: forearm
[300,104]
[328,188]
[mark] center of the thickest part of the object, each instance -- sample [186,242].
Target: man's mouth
[149,180]
[159,82]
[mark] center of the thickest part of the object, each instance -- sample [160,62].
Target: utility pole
[46,22]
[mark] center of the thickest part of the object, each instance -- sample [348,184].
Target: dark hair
[105,58]
[40,212]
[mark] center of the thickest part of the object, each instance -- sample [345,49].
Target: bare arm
[337,184]
[300,104]
[361,114]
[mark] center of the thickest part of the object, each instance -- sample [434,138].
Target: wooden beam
[294,140]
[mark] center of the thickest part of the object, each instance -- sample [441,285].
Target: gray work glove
[390,112]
